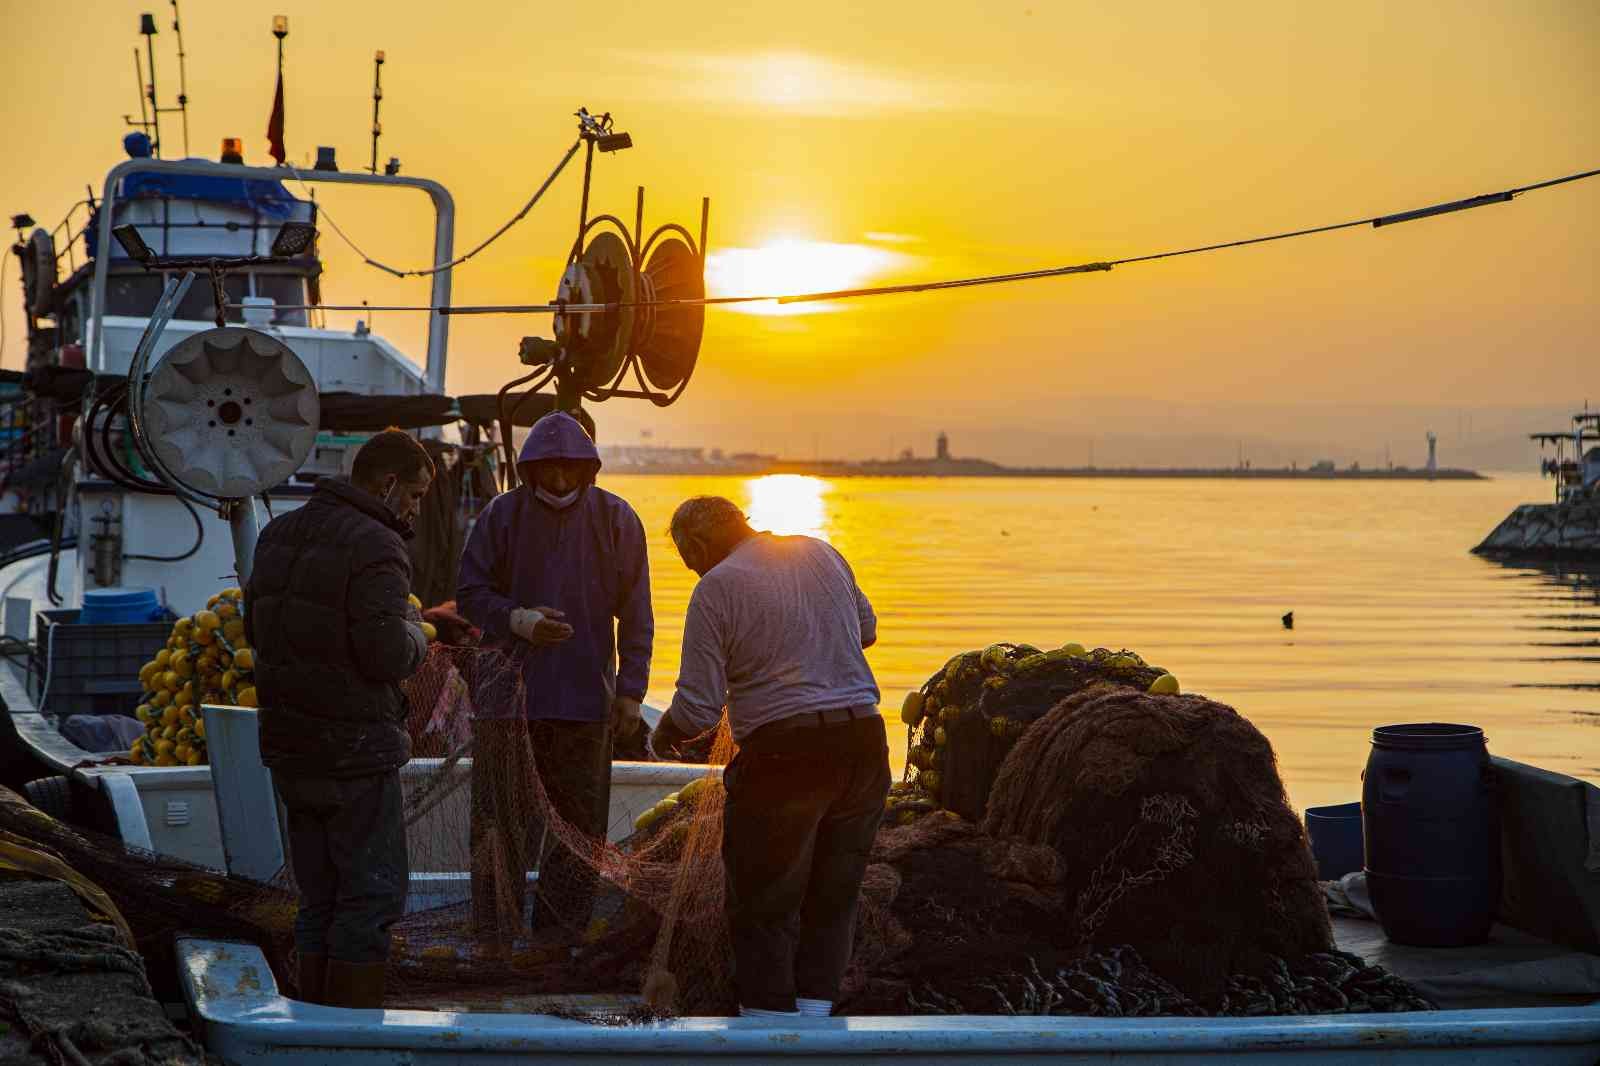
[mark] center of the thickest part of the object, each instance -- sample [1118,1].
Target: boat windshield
[136,295]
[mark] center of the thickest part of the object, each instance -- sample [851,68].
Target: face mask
[391,504]
[550,499]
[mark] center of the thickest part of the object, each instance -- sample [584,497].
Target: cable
[199,539]
[955,283]
[436,268]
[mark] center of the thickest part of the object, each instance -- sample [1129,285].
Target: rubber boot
[358,985]
[311,982]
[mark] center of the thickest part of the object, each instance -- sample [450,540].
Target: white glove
[540,626]
[524,621]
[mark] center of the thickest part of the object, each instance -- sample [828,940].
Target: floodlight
[128,236]
[294,238]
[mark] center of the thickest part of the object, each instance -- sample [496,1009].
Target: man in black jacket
[334,635]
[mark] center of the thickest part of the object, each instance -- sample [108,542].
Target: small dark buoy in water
[1288,620]
[1003,533]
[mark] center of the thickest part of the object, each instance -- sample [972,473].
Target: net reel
[630,328]
[623,286]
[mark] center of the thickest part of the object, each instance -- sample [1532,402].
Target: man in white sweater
[775,631]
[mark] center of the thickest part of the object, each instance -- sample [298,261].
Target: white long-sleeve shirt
[774,630]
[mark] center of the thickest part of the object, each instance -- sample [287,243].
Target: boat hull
[244,1018]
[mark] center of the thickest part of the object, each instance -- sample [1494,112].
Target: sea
[1394,620]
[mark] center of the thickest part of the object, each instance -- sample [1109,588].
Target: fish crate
[90,668]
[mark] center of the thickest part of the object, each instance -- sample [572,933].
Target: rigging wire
[5,261]
[438,267]
[955,283]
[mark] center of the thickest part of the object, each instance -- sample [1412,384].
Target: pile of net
[966,718]
[162,897]
[1071,837]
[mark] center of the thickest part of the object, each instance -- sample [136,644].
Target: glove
[524,621]
[539,626]
[666,738]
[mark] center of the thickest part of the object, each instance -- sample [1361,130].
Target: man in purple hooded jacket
[555,573]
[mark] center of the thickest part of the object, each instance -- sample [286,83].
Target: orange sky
[931,140]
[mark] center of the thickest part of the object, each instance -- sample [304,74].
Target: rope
[436,268]
[956,283]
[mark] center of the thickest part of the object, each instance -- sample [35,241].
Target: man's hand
[666,738]
[542,626]
[625,716]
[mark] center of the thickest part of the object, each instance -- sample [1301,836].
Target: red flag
[275,125]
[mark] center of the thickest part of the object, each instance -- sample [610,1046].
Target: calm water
[1394,620]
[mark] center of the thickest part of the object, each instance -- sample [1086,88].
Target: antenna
[377,98]
[183,77]
[138,87]
[147,26]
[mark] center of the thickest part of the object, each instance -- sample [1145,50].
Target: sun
[791,265]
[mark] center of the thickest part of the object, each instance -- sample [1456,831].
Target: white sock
[757,1012]
[815,1008]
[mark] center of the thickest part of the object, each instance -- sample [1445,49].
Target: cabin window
[136,295]
[197,305]
[286,290]
[132,294]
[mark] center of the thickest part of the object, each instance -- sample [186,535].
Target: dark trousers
[803,807]
[347,846]
[508,838]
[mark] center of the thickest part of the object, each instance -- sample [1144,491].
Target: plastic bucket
[118,605]
[1335,834]
[1431,822]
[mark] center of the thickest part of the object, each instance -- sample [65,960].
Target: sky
[848,143]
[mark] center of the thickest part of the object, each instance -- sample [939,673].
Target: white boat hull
[244,1018]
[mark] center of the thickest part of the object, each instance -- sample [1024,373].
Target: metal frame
[443,239]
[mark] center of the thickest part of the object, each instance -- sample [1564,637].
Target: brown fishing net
[1064,842]
[966,718]
[527,890]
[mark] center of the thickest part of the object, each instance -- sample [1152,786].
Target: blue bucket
[1336,841]
[119,605]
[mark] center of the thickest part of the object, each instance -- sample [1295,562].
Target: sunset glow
[790,265]
[789,504]
[853,145]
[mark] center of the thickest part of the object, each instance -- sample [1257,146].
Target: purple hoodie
[587,560]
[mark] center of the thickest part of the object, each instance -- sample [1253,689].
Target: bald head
[706,528]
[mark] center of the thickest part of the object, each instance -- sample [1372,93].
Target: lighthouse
[1433,453]
[942,448]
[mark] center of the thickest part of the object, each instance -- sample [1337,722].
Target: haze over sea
[1394,620]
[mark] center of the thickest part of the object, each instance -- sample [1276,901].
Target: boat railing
[443,238]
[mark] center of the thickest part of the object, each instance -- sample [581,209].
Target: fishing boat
[82,523]
[1569,527]
[85,522]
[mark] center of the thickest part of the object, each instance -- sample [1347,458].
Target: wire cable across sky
[1098,266]
[420,272]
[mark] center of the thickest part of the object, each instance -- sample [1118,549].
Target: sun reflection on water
[789,504]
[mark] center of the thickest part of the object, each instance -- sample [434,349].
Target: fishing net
[966,718]
[526,883]
[1068,838]
[162,897]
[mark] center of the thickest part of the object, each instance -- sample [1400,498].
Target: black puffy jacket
[327,615]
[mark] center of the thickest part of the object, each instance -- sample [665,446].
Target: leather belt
[819,719]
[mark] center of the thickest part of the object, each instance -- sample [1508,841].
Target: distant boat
[1569,528]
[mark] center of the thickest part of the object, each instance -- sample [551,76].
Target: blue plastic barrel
[115,605]
[1431,823]
[1335,834]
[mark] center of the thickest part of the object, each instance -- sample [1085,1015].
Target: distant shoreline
[984,468]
